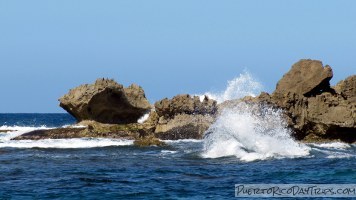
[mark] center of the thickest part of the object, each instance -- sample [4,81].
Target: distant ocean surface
[115,169]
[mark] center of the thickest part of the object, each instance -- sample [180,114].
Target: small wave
[17,131]
[335,153]
[334,150]
[340,155]
[66,143]
[23,128]
[165,152]
[74,126]
[183,141]
[332,145]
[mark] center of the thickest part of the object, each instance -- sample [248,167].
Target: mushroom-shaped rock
[306,77]
[106,101]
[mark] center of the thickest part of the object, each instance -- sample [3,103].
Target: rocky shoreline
[314,110]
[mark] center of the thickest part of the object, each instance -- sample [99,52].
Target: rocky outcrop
[106,101]
[185,104]
[59,133]
[5,131]
[149,140]
[314,110]
[307,78]
[183,117]
[347,88]
[93,130]
[138,132]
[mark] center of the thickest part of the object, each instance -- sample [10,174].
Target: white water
[221,147]
[16,131]
[241,86]
[333,145]
[182,141]
[142,119]
[5,140]
[335,150]
[66,143]
[251,132]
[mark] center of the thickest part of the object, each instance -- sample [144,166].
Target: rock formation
[306,77]
[183,117]
[347,88]
[106,101]
[149,140]
[314,110]
[59,133]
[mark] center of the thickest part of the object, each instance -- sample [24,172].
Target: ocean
[186,169]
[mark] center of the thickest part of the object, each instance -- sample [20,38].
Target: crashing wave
[251,132]
[239,87]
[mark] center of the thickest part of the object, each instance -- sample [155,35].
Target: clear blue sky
[167,47]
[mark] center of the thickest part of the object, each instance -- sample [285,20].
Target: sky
[167,47]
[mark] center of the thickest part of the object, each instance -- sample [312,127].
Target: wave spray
[250,131]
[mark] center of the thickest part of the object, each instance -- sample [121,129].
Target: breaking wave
[241,86]
[251,132]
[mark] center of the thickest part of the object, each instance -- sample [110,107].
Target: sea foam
[251,132]
[332,145]
[5,140]
[15,131]
[66,143]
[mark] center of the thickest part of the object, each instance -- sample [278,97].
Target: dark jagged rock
[183,126]
[106,101]
[92,130]
[5,131]
[148,141]
[52,134]
[185,104]
[347,88]
[183,117]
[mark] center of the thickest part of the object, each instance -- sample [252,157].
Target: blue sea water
[114,169]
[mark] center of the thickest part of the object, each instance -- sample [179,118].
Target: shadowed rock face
[347,88]
[183,117]
[106,101]
[307,78]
